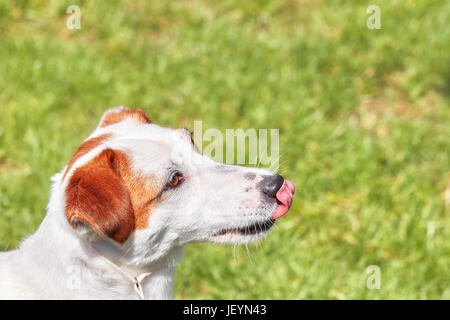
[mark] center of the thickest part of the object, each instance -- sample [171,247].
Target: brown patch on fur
[144,191]
[112,117]
[85,147]
[96,195]
[109,196]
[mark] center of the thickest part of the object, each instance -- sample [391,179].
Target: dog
[121,211]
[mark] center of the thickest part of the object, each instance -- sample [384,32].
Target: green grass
[364,123]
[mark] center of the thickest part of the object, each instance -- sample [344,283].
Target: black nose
[271,184]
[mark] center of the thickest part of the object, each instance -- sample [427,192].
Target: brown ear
[97,196]
[120,114]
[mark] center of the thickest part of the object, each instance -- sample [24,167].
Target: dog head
[149,188]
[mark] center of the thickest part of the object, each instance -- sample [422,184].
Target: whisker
[259,161]
[248,253]
[277,161]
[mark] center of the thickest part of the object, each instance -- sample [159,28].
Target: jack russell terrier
[120,212]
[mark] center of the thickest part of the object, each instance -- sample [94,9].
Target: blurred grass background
[363,114]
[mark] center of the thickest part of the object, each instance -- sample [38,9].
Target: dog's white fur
[60,261]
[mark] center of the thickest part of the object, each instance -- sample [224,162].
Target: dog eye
[175,179]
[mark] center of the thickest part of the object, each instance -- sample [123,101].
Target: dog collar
[136,281]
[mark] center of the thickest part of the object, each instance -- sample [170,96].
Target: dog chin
[237,238]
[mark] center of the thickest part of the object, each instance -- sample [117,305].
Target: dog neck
[71,267]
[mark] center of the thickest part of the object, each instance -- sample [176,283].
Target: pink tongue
[284,195]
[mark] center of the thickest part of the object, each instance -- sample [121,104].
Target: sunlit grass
[364,122]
